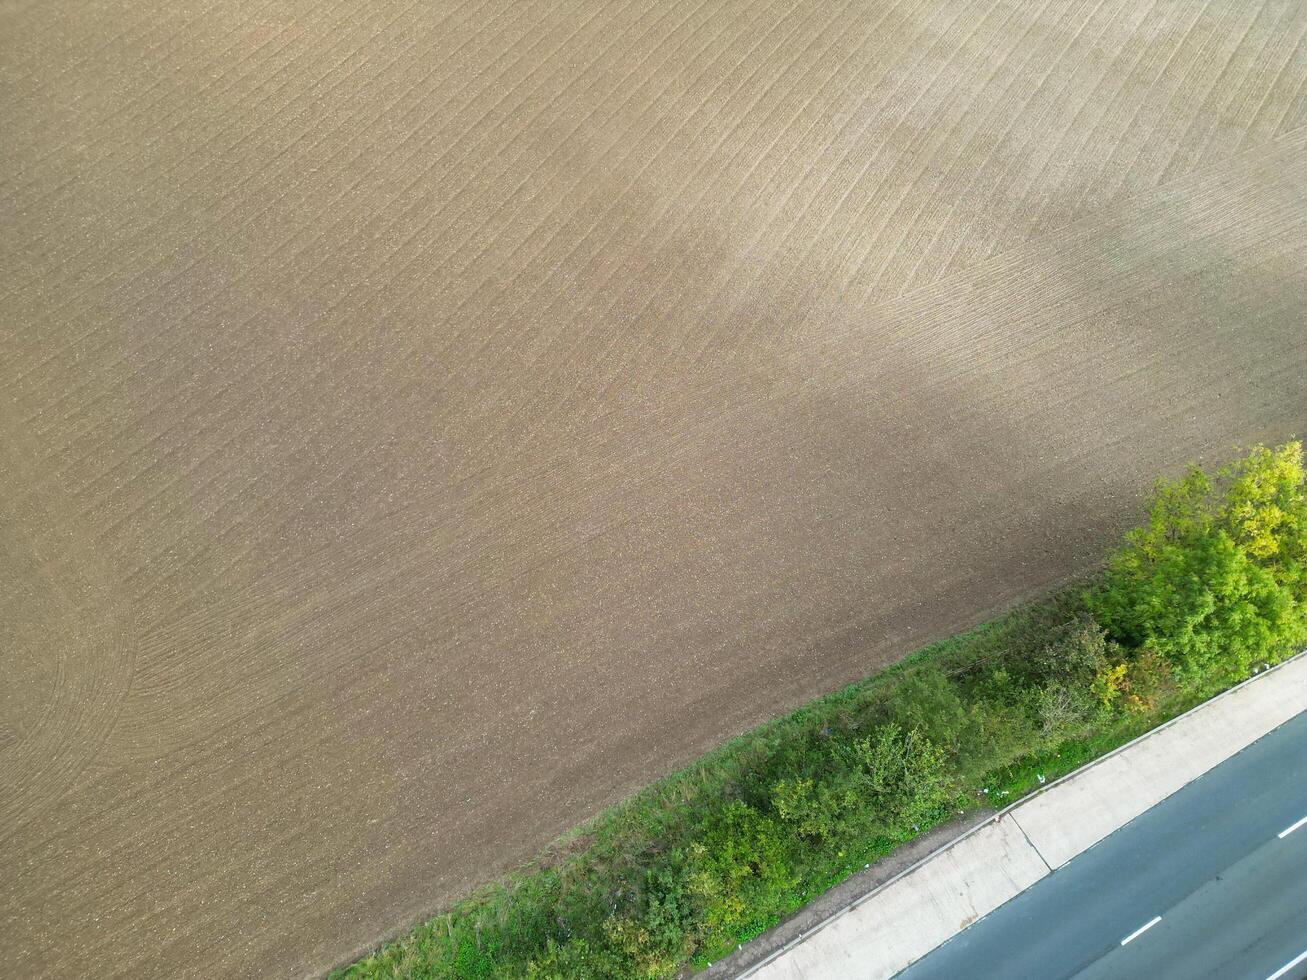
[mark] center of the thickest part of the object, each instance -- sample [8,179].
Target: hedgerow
[1214,584]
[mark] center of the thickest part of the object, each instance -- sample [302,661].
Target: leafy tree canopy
[1217,578]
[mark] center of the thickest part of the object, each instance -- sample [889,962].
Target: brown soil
[421,424]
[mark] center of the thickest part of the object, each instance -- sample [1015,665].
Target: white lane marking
[1142,929]
[1291,828]
[1288,966]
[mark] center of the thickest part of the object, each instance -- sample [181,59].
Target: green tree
[1215,581]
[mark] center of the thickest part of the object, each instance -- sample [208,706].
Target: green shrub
[1062,711]
[884,782]
[737,868]
[930,703]
[1071,654]
[904,772]
[815,811]
[654,936]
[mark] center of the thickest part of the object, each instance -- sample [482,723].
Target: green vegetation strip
[1210,589]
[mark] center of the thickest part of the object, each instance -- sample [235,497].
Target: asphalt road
[1201,885]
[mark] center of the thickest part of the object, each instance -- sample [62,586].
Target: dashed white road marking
[1292,827]
[1142,929]
[1290,965]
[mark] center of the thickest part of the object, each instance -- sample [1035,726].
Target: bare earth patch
[423,424]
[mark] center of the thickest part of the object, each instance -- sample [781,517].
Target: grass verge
[711,856]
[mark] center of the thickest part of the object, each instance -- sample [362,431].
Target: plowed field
[421,424]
